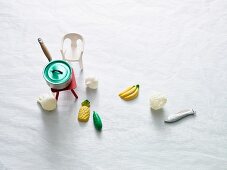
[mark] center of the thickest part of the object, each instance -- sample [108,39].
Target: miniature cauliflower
[157,101]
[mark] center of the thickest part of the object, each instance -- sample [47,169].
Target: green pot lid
[57,72]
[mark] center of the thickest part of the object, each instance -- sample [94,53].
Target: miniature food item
[47,102]
[157,101]
[97,121]
[130,93]
[179,115]
[84,112]
[91,82]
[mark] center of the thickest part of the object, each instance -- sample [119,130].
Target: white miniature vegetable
[157,101]
[180,115]
[47,101]
[91,82]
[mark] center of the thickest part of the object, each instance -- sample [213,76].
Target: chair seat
[72,48]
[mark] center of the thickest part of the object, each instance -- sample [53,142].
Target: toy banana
[97,121]
[84,112]
[130,93]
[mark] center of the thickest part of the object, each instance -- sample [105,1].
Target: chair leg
[74,93]
[57,94]
[81,63]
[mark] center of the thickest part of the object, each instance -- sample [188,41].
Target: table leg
[57,94]
[74,93]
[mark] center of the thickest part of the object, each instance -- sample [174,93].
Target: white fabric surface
[177,47]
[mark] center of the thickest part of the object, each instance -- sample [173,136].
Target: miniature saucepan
[57,73]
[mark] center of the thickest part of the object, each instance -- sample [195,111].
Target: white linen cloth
[177,47]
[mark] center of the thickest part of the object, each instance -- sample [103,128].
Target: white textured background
[178,47]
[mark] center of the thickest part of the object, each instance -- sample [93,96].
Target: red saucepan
[57,73]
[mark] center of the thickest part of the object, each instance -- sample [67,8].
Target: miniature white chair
[77,48]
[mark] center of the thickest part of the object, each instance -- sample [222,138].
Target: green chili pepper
[97,121]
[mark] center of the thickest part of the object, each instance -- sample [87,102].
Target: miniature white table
[175,47]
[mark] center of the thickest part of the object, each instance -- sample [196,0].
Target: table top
[174,47]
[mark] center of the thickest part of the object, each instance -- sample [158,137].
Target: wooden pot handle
[44,48]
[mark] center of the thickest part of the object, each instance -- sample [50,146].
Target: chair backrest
[74,37]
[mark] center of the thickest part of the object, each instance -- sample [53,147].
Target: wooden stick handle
[44,48]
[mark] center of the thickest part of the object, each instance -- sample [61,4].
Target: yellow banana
[133,95]
[130,93]
[127,89]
